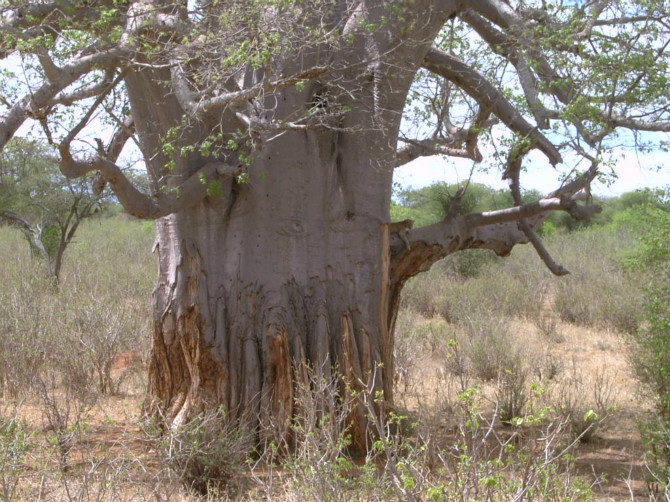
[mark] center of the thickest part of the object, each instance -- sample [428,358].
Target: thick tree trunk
[287,271]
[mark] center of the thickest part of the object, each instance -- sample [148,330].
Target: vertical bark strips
[290,270]
[286,271]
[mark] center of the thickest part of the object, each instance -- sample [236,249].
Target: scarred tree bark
[287,271]
[275,274]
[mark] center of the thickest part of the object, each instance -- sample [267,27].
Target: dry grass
[459,384]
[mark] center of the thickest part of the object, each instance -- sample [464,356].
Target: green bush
[651,347]
[13,448]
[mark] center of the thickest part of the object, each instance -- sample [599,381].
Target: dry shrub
[318,463]
[598,292]
[412,460]
[492,290]
[208,454]
[64,412]
[415,340]
[584,403]
[79,330]
[512,393]
[547,325]
[491,346]
[14,438]
[599,299]
[421,294]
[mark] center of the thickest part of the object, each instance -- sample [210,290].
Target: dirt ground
[611,461]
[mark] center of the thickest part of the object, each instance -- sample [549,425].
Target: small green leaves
[591,416]
[214,189]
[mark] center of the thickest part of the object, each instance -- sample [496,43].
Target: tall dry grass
[476,415]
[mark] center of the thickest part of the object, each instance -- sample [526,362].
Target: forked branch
[497,230]
[488,97]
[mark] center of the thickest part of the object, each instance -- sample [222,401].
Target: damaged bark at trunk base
[260,354]
[244,330]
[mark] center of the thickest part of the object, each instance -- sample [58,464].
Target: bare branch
[415,149]
[497,230]
[135,202]
[122,134]
[87,116]
[42,97]
[616,120]
[189,193]
[85,93]
[191,103]
[505,45]
[513,169]
[488,96]
[473,133]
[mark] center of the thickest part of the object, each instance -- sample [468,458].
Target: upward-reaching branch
[489,97]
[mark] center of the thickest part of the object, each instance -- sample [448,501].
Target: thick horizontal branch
[143,206]
[488,96]
[92,91]
[517,213]
[498,230]
[636,125]
[415,149]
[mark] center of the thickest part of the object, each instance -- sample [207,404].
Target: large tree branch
[42,97]
[188,193]
[514,160]
[489,97]
[414,149]
[504,45]
[461,142]
[91,91]
[497,230]
[191,191]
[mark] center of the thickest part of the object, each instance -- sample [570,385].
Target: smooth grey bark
[277,274]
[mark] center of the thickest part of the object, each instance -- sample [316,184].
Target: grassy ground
[510,385]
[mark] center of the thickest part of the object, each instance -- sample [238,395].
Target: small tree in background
[43,204]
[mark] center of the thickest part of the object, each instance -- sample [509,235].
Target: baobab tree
[270,130]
